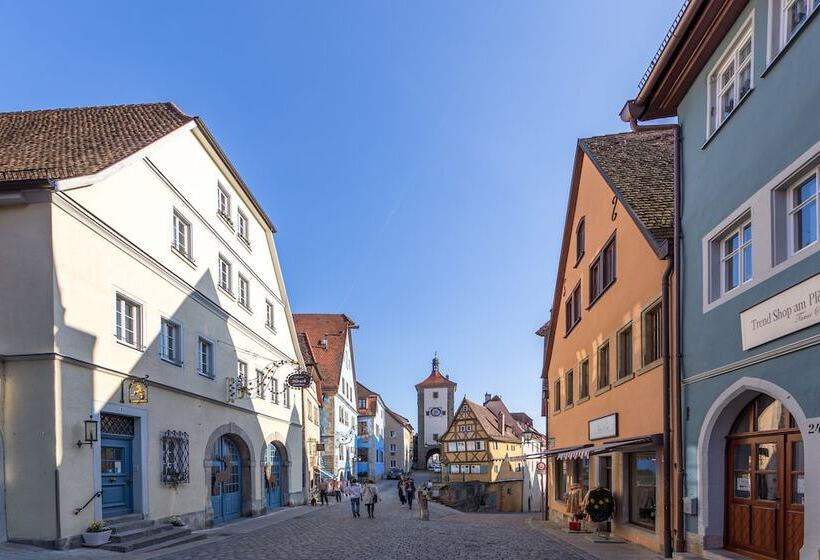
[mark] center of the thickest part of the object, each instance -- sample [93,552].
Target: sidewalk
[12,551]
[584,542]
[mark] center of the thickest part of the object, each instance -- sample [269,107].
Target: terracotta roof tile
[333,329]
[641,167]
[489,422]
[64,143]
[436,379]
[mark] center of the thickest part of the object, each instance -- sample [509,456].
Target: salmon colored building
[607,347]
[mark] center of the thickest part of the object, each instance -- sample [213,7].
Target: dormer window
[580,239]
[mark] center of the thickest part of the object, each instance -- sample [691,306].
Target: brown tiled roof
[489,422]
[436,379]
[371,398]
[328,327]
[640,167]
[400,419]
[64,143]
[312,365]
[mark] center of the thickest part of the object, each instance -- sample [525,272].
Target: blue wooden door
[117,477]
[273,476]
[226,481]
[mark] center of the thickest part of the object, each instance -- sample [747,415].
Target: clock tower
[436,400]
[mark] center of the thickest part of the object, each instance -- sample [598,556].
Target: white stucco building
[330,340]
[133,251]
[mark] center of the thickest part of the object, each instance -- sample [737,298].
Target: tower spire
[435,363]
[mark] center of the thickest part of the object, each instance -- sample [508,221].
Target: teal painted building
[743,80]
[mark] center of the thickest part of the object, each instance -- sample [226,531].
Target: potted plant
[97,534]
[176,521]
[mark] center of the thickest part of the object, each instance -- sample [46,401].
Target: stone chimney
[502,423]
[487,397]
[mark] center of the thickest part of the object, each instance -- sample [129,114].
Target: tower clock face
[436,411]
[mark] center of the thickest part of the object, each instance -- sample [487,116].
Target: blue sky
[414,156]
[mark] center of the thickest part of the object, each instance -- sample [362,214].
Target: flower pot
[96,539]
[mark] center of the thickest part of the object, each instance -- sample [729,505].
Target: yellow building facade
[482,461]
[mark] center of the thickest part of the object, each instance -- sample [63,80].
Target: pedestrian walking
[337,491]
[402,499]
[370,495]
[355,492]
[323,492]
[410,491]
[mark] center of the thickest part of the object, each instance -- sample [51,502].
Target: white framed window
[465,428]
[261,385]
[478,445]
[786,18]
[242,227]
[182,236]
[455,469]
[225,275]
[128,322]
[274,387]
[736,257]
[244,296]
[224,203]
[270,317]
[475,469]
[242,372]
[392,433]
[732,78]
[802,213]
[170,342]
[393,447]
[205,358]
[286,397]
[392,463]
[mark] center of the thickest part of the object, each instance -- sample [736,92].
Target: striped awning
[584,451]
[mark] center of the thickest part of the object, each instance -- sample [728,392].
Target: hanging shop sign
[787,312]
[541,466]
[299,380]
[604,427]
[137,391]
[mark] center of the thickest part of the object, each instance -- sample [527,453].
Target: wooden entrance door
[764,486]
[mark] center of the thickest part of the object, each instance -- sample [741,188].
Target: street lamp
[90,432]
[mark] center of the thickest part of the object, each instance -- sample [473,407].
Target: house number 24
[814,428]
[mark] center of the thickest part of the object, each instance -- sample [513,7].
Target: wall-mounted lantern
[90,432]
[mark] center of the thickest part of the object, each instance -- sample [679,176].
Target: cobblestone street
[331,533]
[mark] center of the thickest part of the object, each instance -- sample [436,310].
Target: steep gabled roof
[65,143]
[371,399]
[649,147]
[436,379]
[400,419]
[327,334]
[489,422]
[640,168]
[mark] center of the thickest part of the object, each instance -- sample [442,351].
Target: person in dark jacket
[402,499]
[410,491]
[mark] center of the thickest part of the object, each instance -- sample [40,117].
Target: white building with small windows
[146,315]
[330,339]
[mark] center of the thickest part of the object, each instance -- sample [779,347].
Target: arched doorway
[226,479]
[765,474]
[274,473]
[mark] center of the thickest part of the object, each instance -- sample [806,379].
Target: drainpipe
[680,540]
[668,370]
[667,399]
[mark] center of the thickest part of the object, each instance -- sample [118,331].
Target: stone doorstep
[144,540]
